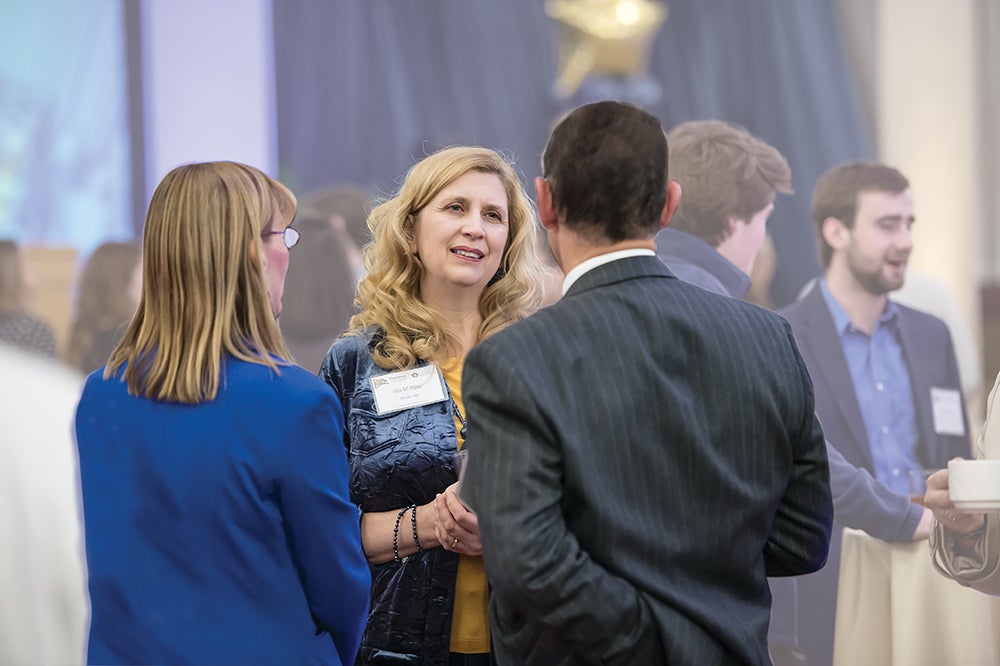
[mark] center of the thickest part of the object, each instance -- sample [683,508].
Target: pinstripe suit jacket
[642,454]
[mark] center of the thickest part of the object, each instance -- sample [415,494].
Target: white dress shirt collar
[600,260]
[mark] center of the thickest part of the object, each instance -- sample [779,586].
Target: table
[895,609]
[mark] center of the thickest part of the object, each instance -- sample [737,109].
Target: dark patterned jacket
[397,459]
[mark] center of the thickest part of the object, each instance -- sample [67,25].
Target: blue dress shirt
[882,385]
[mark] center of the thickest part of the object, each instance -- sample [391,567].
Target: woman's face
[275,261]
[461,234]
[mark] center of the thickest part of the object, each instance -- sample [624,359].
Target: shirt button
[879,386]
[885,430]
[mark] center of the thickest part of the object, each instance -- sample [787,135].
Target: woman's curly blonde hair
[389,295]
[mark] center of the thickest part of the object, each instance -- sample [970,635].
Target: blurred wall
[928,128]
[208,84]
[211,91]
[366,88]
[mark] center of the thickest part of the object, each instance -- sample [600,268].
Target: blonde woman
[218,526]
[453,260]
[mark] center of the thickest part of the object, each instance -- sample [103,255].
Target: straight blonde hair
[204,293]
[389,295]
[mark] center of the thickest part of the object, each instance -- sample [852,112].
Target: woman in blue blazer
[218,524]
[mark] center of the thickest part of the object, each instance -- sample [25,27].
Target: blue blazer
[221,533]
[930,359]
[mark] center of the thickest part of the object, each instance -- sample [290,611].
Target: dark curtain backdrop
[366,88]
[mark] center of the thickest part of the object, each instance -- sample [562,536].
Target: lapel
[920,372]
[827,364]
[619,270]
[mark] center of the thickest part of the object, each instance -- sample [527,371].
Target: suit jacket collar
[921,381]
[697,262]
[821,339]
[619,270]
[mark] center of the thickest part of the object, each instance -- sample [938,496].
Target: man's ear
[672,202]
[543,197]
[835,233]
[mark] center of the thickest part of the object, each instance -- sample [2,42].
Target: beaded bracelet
[413,522]
[395,534]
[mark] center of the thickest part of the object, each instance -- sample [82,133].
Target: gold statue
[603,37]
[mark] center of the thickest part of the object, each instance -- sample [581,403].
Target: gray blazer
[930,359]
[642,454]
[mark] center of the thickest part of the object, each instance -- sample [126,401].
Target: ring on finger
[949,515]
[455,542]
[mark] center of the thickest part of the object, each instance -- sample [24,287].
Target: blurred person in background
[346,207]
[18,327]
[454,260]
[729,179]
[319,291]
[218,525]
[928,294]
[106,298]
[888,388]
[43,583]
[721,224]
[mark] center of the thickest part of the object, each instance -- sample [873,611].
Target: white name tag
[408,388]
[947,405]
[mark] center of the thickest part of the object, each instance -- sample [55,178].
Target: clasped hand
[456,527]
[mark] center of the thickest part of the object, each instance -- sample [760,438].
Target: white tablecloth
[894,609]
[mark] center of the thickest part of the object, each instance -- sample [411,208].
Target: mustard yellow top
[470,622]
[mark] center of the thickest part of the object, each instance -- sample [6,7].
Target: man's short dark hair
[606,164]
[836,195]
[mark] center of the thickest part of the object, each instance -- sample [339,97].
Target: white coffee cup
[974,485]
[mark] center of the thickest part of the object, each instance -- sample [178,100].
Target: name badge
[947,406]
[408,388]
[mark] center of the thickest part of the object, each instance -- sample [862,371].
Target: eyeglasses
[289,235]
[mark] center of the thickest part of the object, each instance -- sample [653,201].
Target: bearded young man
[887,383]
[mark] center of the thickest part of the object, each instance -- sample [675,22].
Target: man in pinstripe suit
[643,453]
